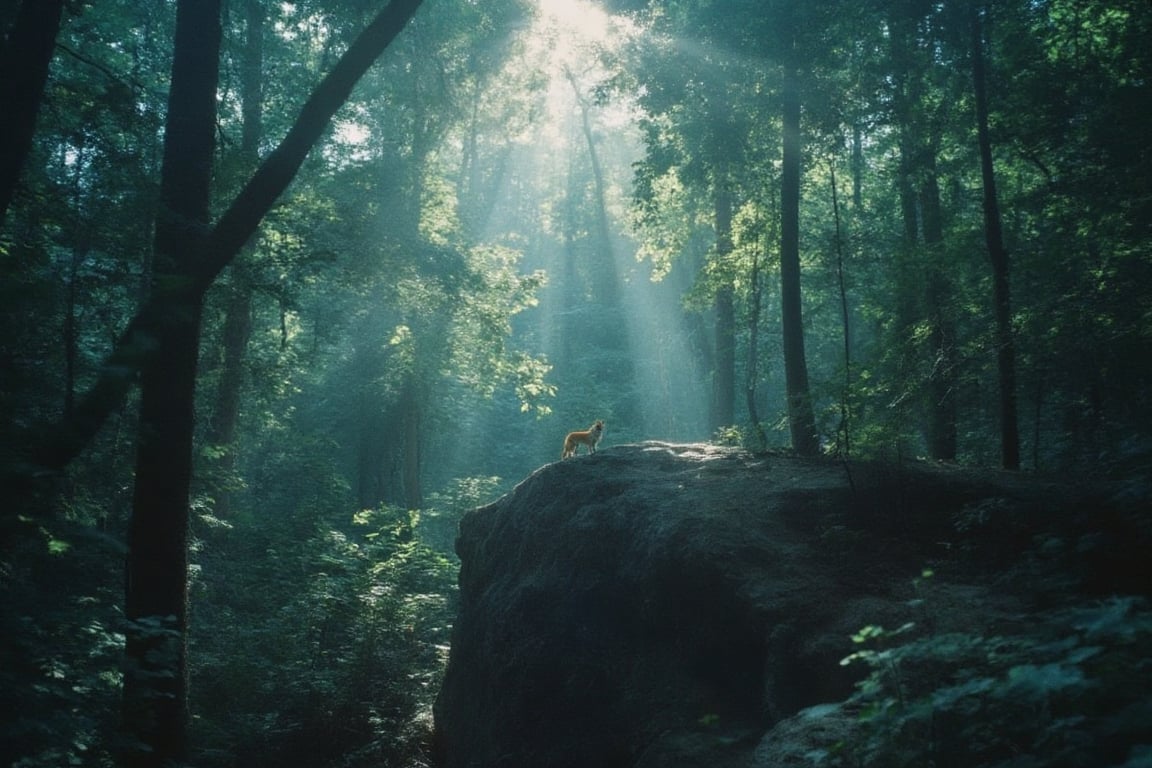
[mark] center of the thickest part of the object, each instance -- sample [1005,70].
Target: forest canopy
[290,286]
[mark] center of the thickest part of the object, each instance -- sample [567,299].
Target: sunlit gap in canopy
[579,36]
[533,122]
[570,43]
[584,22]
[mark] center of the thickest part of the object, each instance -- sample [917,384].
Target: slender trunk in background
[998,255]
[367,468]
[155,710]
[24,61]
[857,166]
[845,430]
[724,374]
[81,245]
[924,291]
[376,426]
[801,419]
[252,83]
[570,288]
[71,336]
[906,91]
[238,304]
[412,408]
[221,434]
[604,274]
[752,371]
[942,336]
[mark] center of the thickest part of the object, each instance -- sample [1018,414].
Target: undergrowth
[1073,688]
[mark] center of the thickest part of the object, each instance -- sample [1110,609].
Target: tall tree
[922,280]
[801,418]
[998,255]
[699,120]
[156,603]
[942,338]
[163,344]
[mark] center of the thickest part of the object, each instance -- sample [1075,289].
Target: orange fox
[589,438]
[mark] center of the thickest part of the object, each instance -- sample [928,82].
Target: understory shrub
[1071,689]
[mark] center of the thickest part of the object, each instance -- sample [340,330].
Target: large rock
[668,605]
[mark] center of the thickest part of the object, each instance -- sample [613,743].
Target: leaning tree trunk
[998,255]
[155,674]
[801,419]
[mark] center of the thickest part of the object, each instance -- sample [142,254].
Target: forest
[291,286]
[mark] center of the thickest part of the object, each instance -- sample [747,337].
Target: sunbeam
[560,194]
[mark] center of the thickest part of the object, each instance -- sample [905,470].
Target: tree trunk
[938,290]
[998,255]
[226,411]
[922,278]
[724,374]
[155,673]
[857,166]
[369,464]
[845,430]
[604,273]
[752,372]
[24,60]
[81,245]
[238,305]
[252,83]
[413,439]
[71,335]
[801,419]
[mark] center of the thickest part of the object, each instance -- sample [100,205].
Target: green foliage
[61,640]
[484,316]
[1069,689]
[441,519]
[732,434]
[333,662]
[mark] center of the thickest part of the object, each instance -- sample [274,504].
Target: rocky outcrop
[678,605]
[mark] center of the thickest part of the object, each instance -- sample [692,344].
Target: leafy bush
[1071,690]
[343,669]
